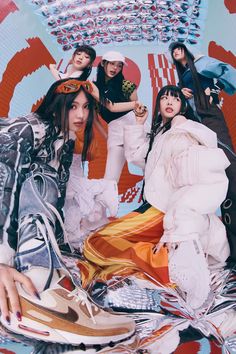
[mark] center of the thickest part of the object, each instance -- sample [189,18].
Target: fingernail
[37,295]
[8,320]
[18,316]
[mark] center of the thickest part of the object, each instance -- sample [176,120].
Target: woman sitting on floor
[185,182]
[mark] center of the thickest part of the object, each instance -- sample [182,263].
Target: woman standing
[201,80]
[114,88]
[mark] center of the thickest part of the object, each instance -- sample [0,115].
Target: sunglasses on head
[72,86]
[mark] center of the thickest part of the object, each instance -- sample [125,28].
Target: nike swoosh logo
[71,315]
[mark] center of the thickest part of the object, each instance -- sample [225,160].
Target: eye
[73,106]
[163,97]
[86,106]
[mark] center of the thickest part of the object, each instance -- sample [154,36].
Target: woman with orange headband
[36,297]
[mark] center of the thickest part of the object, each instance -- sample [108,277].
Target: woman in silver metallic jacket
[35,155]
[35,284]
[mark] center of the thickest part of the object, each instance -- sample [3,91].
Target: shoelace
[80,296]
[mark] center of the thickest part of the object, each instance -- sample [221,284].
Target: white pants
[115,146]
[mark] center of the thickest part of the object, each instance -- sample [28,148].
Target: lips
[169,110]
[79,124]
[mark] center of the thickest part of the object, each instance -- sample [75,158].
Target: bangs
[171,90]
[88,50]
[179,46]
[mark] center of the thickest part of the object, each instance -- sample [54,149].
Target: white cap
[114,56]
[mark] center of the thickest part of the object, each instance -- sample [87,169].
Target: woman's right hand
[9,297]
[141,113]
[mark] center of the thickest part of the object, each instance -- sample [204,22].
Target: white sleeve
[196,164]
[135,144]
[6,254]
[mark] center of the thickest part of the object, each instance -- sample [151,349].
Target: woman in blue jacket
[201,80]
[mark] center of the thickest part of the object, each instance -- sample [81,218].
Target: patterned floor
[170,327]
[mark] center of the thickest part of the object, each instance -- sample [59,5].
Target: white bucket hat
[114,56]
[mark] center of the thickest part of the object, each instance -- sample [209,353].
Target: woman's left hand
[95,91]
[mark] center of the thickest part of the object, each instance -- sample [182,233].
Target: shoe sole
[39,331]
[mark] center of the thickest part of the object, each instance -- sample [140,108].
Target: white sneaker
[189,270]
[66,315]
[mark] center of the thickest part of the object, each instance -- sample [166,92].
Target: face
[112,68]
[179,54]
[170,106]
[79,112]
[81,60]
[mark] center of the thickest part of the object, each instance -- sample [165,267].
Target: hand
[95,91]
[8,291]
[140,112]
[208,93]
[187,92]
[169,245]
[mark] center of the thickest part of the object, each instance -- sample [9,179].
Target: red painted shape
[221,53]
[231,6]
[7,7]
[215,348]
[6,351]
[23,63]
[188,348]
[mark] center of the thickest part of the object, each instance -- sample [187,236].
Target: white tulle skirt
[86,203]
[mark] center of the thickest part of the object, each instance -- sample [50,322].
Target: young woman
[185,181]
[36,153]
[114,88]
[201,80]
[80,65]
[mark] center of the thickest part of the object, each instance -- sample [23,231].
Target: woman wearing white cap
[113,88]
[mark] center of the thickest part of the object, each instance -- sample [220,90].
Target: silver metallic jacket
[27,143]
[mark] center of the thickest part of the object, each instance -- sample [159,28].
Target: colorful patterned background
[35,33]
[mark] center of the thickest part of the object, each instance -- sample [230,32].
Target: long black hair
[55,108]
[114,85]
[92,54]
[199,95]
[157,118]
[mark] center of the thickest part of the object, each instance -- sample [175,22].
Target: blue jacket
[209,69]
